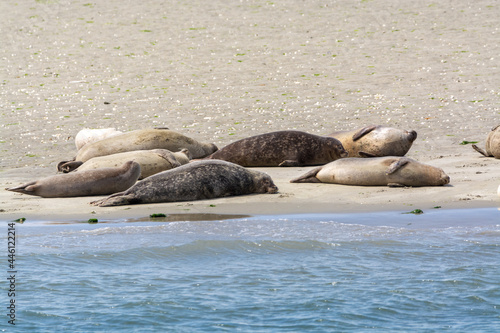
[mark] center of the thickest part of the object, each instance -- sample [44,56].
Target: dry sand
[219,71]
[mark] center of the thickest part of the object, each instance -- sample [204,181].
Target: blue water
[378,272]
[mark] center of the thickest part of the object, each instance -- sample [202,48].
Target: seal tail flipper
[396,165]
[308,177]
[362,132]
[25,189]
[116,199]
[479,150]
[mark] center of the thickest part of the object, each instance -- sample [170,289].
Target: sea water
[377,272]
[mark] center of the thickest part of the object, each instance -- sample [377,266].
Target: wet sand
[220,71]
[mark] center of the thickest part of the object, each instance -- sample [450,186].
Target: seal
[281,148]
[492,144]
[88,135]
[151,161]
[198,180]
[145,139]
[376,141]
[91,182]
[378,171]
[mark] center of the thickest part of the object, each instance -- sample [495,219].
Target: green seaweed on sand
[157,215]
[415,212]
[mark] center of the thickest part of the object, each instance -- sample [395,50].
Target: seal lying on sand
[377,171]
[194,181]
[151,161]
[88,135]
[282,148]
[91,182]
[376,141]
[492,144]
[145,139]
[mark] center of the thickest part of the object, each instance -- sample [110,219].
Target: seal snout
[445,179]
[412,135]
[272,189]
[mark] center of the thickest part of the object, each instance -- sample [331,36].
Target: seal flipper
[117,199]
[362,132]
[27,188]
[290,163]
[479,150]
[395,185]
[69,166]
[396,165]
[308,177]
[60,164]
[170,159]
[364,154]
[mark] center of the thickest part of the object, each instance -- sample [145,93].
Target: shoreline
[221,71]
[472,186]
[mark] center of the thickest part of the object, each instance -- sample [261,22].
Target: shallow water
[433,272]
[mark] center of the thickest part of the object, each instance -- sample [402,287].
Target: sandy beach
[221,71]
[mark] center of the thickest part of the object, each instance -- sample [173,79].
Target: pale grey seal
[376,141]
[89,135]
[194,181]
[492,144]
[376,171]
[145,139]
[91,182]
[281,148]
[151,161]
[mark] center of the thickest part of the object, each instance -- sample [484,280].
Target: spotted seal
[281,148]
[145,139]
[492,144]
[376,171]
[91,182]
[151,161]
[373,141]
[197,180]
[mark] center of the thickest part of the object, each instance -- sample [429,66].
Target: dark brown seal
[194,181]
[282,148]
[91,182]
[492,144]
